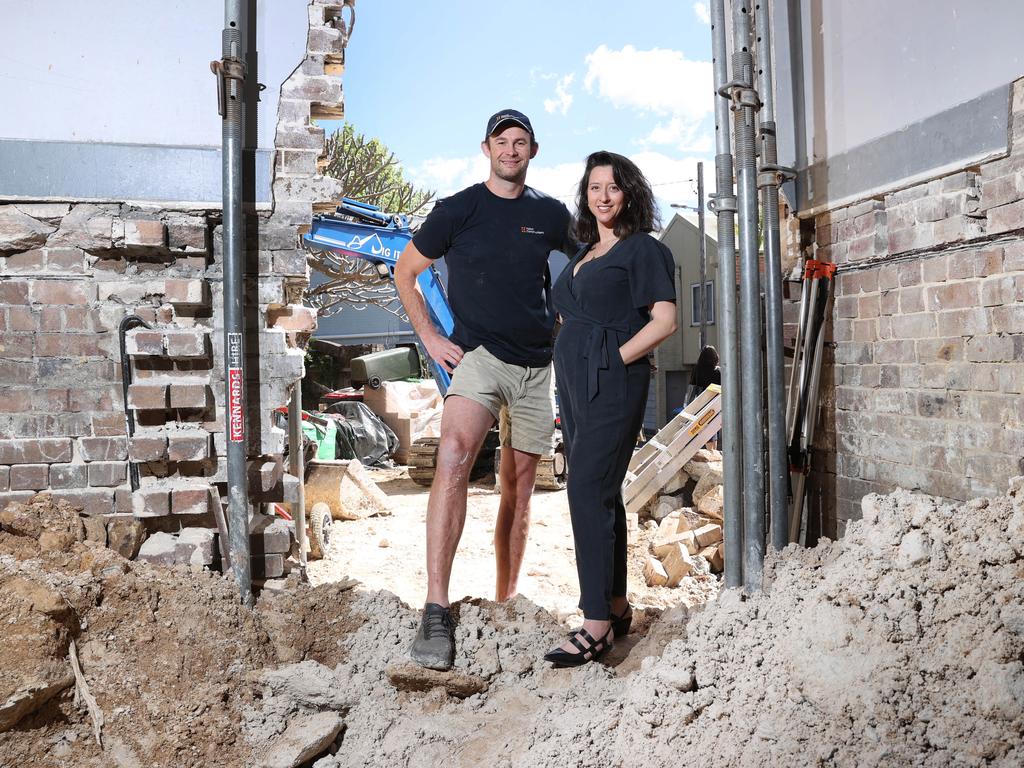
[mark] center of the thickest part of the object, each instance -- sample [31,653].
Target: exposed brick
[5,479]
[17,346]
[911,300]
[107,474]
[934,270]
[188,446]
[1008,319]
[43,450]
[956,229]
[142,341]
[895,351]
[65,260]
[998,290]
[187,292]
[888,277]
[292,262]
[293,317]
[69,476]
[62,292]
[30,477]
[985,378]
[21,319]
[868,306]
[13,292]
[103,448]
[188,234]
[49,400]
[145,232]
[147,448]
[934,406]
[151,502]
[964,322]
[1006,218]
[68,345]
[909,273]
[986,349]
[15,401]
[51,319]
[95,399]
[108,424]
[854,353]
[26,261]
[19,496]
[185,343]
[91,501]
[930,350]
[953,295]
[147,396]
[190,500]
[189,395]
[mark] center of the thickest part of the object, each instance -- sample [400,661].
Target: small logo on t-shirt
[530,231]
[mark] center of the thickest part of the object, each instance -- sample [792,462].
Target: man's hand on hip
[443,351]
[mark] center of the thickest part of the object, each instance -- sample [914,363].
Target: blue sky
[632,77]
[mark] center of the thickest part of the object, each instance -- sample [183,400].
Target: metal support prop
[230,71]
[745,103]
[723,204]
[296,466]
[778,480]
[702,250]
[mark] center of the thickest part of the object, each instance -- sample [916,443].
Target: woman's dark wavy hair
[640,213]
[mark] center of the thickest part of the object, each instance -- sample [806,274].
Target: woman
[616,299]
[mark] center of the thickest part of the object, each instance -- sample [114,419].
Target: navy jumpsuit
[602,400]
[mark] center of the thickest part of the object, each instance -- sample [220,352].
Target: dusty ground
[902,645]
[388,553]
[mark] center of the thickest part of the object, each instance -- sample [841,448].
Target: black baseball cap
[507,117]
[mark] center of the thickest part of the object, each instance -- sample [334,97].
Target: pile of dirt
[902,644]
[169,654]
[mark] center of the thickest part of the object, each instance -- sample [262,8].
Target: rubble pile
[902,644]
[687,516]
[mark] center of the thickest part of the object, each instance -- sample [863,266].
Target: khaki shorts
[521,399]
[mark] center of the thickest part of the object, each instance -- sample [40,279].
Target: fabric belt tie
[598,354]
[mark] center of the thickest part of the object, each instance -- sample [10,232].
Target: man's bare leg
[464,424]
[518,473]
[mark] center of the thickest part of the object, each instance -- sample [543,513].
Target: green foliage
[370,172]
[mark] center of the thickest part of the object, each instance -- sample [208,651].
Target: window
[709,297]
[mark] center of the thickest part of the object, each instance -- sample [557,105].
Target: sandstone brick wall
[70,271]
[923,386]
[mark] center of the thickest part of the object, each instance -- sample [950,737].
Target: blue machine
[363,231]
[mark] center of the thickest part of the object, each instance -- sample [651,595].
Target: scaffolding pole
[723,204]
[768,182]
[230,72]
[745,105]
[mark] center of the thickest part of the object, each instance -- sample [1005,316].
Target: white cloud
[448,174]
[563,99]
[658,81]
[701,9]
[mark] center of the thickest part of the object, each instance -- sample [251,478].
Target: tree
[370,173]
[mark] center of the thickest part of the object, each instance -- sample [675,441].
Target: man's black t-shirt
[499,285]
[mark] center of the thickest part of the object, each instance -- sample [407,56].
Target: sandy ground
[388,553]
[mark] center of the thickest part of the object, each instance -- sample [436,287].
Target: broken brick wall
[70,271]
[922,382]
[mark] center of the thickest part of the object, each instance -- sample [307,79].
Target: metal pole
[768,181]
[745,103]
[297,469]
[724,206]
[231,82]
[703,258]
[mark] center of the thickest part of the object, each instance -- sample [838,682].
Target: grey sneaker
[434,646]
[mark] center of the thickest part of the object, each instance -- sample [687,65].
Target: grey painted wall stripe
[956,138]
[92,171]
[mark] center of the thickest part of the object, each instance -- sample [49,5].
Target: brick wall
[71,271]
[922,387]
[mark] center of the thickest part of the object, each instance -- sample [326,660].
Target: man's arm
[411,264]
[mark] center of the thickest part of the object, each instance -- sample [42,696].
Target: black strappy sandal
[620,624]
[593,651]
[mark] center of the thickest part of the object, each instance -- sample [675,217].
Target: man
[496,238]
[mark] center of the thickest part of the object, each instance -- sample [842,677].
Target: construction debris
[411,408]
[346,488]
